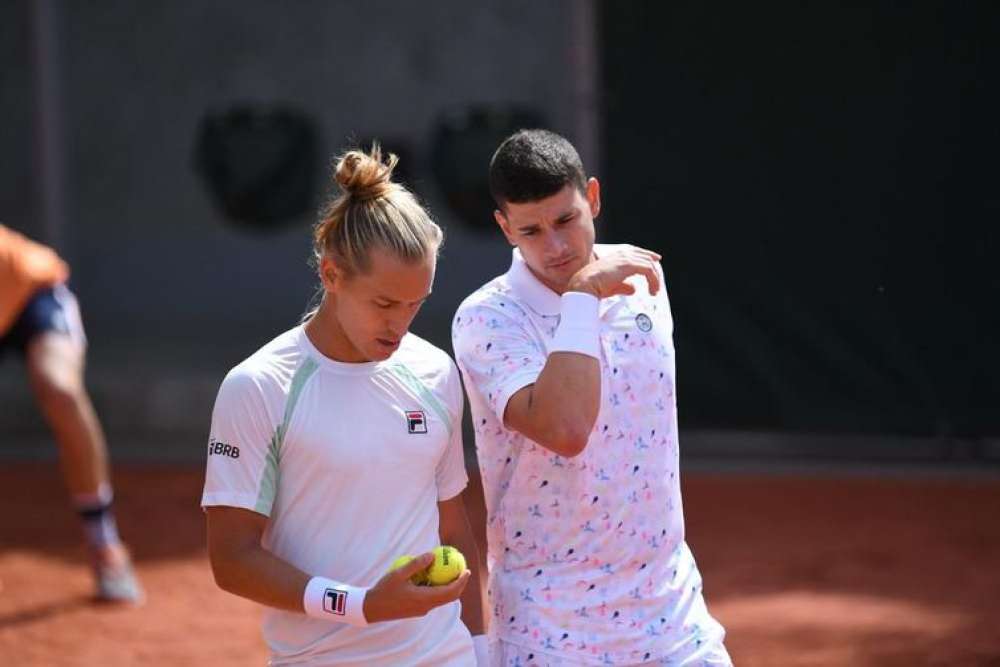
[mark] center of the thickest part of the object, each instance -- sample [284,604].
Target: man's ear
[504,225]
[331,275]
[594,196]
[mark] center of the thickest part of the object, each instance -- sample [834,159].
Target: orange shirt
[25,268]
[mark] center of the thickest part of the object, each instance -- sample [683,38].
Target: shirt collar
[535,294]
[529,289]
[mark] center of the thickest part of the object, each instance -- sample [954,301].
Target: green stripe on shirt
[269,476]
[406,376]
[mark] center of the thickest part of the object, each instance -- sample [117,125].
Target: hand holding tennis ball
[418,579]
[448,565]
[395,596]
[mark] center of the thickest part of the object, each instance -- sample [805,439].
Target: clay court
[802,570]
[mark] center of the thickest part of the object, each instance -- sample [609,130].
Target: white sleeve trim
[453,490]
[246,501]
[514,384]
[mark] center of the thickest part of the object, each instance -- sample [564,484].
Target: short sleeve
[242,452]
[496,353]
[451,475]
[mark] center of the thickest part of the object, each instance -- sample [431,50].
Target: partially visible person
[40,320]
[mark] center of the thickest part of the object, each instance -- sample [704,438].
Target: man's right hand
[606,276]
[395,596]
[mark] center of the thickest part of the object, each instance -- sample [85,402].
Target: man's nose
[555,245]
[398,324]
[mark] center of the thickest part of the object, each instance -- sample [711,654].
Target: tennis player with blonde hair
[337,447]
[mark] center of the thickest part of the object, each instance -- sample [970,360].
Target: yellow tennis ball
[419,579]
[448,564]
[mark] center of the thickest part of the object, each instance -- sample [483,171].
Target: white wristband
[334,601]
[579,325]
[481,645]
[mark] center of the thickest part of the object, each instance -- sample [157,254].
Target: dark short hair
[534,164]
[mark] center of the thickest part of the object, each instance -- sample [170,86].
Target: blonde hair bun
[364,176]
[372,211]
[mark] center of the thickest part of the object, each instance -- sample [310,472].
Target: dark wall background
[822,182]
[174,294]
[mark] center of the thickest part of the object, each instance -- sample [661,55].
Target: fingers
[645,267]
[421,562]
[648,254]
[646,263]
[622,288]
[652,278]
[609,275]
[438,595]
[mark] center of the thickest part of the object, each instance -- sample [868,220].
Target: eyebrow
[395,301]
[565,215]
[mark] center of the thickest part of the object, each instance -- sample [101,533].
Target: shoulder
[495,295]
[418,353]
[429,364]
[493,306]
[267,373]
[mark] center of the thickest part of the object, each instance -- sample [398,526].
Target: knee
[58,392]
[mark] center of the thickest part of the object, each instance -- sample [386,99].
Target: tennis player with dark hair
[568,360]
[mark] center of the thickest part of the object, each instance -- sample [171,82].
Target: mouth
[388,343]
[561,264]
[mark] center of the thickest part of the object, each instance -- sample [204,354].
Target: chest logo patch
[416,422]
[643,322]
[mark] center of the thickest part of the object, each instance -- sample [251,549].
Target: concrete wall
[172,294]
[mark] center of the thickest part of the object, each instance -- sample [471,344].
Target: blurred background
[821,179]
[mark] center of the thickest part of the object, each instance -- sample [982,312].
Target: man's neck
[327,336]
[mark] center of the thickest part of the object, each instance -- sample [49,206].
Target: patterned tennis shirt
[587,555]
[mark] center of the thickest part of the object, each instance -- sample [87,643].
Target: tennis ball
[419,579]
[448,564]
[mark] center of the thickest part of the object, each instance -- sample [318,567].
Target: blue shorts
[50,310]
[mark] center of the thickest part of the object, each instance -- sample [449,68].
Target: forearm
[256,574]
[562,405]
[559,410]
[473,606]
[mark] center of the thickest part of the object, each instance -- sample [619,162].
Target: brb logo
[216,448]
[416,422]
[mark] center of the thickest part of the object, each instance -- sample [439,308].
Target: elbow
[570,441]
[226,570]
[222,574]
[569,448]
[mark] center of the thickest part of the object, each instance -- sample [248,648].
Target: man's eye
[528,233]
[383,305]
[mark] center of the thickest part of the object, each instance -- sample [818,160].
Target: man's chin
[381,352]
[560,275]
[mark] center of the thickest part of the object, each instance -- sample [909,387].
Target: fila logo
[416,422]
[335,602]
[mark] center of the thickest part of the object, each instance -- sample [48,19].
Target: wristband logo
[335,602]
[217,448]
[416,422]
[643,322]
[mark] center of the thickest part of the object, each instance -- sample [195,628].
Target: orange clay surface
[801,571]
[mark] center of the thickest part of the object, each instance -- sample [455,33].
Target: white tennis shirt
[349,462]
[587,554]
